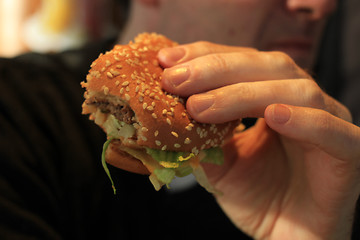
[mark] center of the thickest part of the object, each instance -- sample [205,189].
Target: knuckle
[287,65]
[204,45]
[218,63]
[312,94]
[282,59]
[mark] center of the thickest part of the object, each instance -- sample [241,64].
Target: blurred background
[56,25]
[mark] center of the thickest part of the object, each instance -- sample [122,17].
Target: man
[291,176]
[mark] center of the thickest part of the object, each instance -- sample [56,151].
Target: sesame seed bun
[131,75]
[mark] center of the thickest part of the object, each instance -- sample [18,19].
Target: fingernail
[281,114]
[176,76]
[202,102]
[171,56]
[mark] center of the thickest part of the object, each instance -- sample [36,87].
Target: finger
[218,70]
[169,57]
[250,99]
[331,134]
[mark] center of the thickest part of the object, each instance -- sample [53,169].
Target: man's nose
[314,9]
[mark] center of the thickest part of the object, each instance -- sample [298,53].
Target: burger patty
[121,111]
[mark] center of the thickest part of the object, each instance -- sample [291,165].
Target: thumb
[331,134]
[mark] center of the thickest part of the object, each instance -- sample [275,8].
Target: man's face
[291,26]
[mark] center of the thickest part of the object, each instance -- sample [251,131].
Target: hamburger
[149,130]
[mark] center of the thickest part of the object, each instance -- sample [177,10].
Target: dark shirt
[52,185]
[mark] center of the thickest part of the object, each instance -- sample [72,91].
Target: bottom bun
[120,159]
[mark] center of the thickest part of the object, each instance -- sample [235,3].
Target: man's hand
[295,174]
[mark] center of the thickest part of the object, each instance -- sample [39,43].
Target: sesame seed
[189,128]
[96,74]
[123,76]
[175,134]
[156,133]
[168,121]
[144,105]
[114,72]
[106,90]
[121,90]
[107,63]
[125,83]
[109,74]
[157,142]
[164,147]
[195,150]
[154,115]
[144,129]
[176,145]
[117,83]
[187,141]
[164,111]
[150,108]
[144,138]
[127,97]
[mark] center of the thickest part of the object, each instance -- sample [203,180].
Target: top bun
[131,74]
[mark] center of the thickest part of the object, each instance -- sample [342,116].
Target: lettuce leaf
[213,155]
[117,129]
[165,175]
[172,158]
[103,162]
[165,165]
[202,179]
[175,159]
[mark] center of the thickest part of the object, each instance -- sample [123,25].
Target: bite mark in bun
[149,130]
